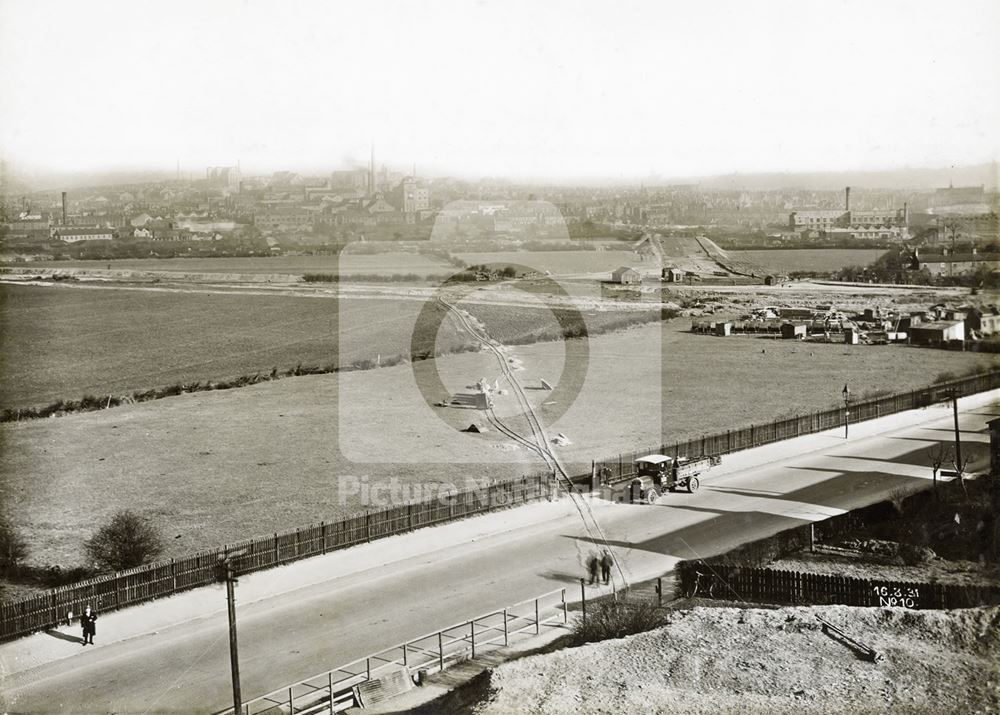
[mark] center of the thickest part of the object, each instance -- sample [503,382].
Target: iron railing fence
[338,688]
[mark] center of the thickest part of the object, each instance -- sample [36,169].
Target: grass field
[822,260]
[65,342]
[210,468]
[387,263]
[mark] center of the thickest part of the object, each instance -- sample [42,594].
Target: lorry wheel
[652,496]
[693,485]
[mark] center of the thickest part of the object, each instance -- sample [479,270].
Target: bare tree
[937,455]
[960,466]
[126,541]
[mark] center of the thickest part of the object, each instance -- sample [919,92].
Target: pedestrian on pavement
[592,565]
[606,562]
[88,619]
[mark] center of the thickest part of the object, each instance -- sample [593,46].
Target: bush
[616,619]
[124,542]
[13,549]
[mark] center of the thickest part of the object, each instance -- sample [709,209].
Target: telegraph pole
[225,572]
[847,409]
[958,438]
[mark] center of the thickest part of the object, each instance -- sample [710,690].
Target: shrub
[13,549]
[126,541]
[616,619]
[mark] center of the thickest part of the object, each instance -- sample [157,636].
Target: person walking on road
[606,563]
[592,565]
[88,620]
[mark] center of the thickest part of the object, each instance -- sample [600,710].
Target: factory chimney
[63,208]
[847,198]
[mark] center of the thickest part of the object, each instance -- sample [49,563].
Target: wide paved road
[338,618]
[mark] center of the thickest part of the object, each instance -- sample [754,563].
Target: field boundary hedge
[90,403]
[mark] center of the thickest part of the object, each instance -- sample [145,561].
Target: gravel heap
[732,660]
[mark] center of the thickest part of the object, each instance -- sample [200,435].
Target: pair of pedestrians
[602,563]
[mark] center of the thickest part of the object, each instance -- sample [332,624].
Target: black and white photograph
[499,357]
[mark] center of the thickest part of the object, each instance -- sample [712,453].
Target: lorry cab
[656,466]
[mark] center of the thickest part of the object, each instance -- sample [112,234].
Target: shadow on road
[561,576]
[63,636]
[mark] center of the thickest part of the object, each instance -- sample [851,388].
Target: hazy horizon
[560,92]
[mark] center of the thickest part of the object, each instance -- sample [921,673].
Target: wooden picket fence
[126,588]
[164,578]
[622,467]
[757,584]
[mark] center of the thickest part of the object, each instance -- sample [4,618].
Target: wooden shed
[938,332]
[672,275]
[626,276]
[793,331]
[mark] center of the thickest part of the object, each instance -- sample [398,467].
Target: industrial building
[847,223]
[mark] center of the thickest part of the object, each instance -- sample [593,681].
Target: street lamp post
[847,409]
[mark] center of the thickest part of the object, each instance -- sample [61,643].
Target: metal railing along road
[336,689]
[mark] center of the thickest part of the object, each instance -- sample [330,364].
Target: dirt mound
[710,660]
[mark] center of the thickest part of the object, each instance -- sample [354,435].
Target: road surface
[300,620]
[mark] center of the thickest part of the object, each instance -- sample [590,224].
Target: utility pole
[958,439]
[225,572]
[847,411]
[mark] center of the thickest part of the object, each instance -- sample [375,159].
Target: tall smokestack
[64,208]
[847,198]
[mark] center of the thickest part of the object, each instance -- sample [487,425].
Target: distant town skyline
[557,92]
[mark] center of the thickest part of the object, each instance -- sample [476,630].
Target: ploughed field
[211,468]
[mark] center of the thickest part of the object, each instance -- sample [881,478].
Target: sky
[545,90]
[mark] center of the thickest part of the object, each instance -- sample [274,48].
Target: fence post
[329,678]
[276,547]
[565,608]
[538,625]
[505,637]
[812,537]
[659,592]
[440,651]
[583,601]
[291,702]
[472,629]
[297,550]
[368,526]
[173,575]
[322,526]
[405,663]
[368,668]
